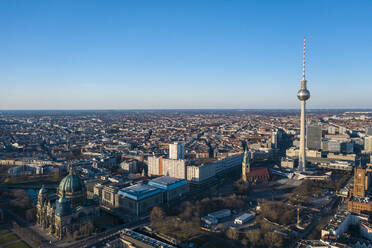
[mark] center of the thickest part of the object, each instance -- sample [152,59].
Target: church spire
[248,162]
[246,166]
[245,156]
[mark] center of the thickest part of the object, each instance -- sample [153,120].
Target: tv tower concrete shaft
[303,95]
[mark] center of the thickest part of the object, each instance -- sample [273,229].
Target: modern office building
[314,137]
[176,151]
[197,174]
[175,189]
[303,95]
[139,199]
[202,176]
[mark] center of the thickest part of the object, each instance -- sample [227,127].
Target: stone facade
[72,214]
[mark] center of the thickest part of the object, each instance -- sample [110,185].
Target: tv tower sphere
[303,95]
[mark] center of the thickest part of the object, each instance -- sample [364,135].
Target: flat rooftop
[166,182]
[139,191]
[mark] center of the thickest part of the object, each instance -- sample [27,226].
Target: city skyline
[185,55]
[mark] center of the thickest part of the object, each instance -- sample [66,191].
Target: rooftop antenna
[304,60]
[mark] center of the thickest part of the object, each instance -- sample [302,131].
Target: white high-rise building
[303,95]
[274,139]
[368,144]
[176,151]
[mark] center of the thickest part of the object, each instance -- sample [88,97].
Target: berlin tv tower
[303,95]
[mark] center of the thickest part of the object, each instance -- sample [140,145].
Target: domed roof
[71,183]
[62,207]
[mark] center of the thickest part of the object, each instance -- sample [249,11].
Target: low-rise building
[215,217]
[359,205]
[337,165]
[110,197]
[132,239]
[129,166]
[366,229]
[340,223]
[319,244]
[290,163]
[340,156]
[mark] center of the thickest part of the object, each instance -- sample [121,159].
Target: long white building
[166,167]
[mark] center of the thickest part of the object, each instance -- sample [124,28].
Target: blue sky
[183,54]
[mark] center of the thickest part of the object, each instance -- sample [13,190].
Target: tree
[156,215]
[254,237]
[241,187]
[278,212]
[272,239]
[245,242]
[186,211]
[232,233]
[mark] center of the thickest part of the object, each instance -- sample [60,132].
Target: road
[100,239]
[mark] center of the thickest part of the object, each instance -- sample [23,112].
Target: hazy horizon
[197,109]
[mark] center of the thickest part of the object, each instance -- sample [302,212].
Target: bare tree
[232,233]
[273,239]
[157,214]
[254,237]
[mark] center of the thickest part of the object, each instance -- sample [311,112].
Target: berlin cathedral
[71,213]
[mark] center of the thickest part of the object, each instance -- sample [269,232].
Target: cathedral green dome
[71,184]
